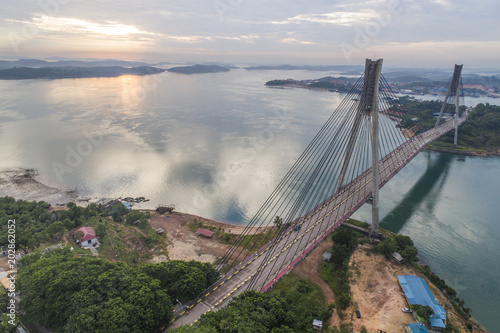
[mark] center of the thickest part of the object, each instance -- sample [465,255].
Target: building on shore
[416,328]
[417,291]
[204,232]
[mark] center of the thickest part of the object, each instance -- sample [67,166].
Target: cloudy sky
[407,33]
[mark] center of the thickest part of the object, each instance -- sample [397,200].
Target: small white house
[397,257]
[86,237]
[317,324]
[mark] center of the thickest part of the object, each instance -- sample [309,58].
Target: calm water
[216,145]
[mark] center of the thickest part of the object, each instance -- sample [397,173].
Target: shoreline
[464,153]
[182,243]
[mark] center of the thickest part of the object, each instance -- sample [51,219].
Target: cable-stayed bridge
[365,142]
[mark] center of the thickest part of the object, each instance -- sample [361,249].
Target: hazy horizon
[405,33]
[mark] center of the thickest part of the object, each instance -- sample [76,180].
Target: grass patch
[249,242]
[131,244]
[358,223]
[460,148]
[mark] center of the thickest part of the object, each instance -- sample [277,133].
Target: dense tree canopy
[345,236]
[81,294]
[182,280]
[35,225]
[290,307]
[482,130]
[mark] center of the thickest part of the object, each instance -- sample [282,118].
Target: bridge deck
[273,261]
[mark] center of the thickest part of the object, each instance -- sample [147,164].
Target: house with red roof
[204,232]
[86,237]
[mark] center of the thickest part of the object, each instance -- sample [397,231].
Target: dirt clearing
[184,244]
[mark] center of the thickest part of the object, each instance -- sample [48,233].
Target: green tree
[182,280]
[278,221]
[403,241]
[343,300]
[74,211]
[134,216]
[120,209]
[81,294]
[409,254]
[100,230]
[6,324]
[117,217]
[363,329]
[423,311]
[346,237]
[68,224]
[27,242]
[4,299]
[55,228]
[340,254]
[387,247]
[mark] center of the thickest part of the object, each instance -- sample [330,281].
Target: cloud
[198,39]
[254,30]
[296,41]
[79,26]
[336,18]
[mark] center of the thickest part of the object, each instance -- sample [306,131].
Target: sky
[405,33]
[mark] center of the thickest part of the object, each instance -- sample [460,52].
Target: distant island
[408,82]
[340,84]
[38,63]
[198,69]
[353,68]
[69,72]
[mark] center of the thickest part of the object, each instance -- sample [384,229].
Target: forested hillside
[82,294]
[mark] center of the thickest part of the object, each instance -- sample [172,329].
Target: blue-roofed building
[417,291]
[417,328]
[127,204]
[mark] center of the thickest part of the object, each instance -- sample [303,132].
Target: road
[273,261]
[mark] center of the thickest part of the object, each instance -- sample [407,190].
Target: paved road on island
[266,266]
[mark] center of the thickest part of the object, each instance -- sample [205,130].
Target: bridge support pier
[371,86]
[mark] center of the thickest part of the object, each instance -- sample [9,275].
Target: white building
[86,237]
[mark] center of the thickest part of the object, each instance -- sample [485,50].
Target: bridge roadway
[275,259]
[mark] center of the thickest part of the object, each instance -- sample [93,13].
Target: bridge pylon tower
[454,88]
[375,70]
[368,106]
